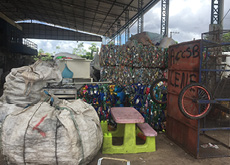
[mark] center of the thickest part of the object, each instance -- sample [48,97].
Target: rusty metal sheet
[182,135]
[178,79]
[174,112]
[183,69]
[185,56]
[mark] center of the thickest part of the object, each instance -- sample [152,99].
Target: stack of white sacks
[38,128]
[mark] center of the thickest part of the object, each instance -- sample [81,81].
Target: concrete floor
[167,153]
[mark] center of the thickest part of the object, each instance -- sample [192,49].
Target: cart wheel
[188,101]
[158,91]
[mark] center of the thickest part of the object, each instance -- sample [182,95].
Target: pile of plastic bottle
[131,68]
[136,63]
[105,96]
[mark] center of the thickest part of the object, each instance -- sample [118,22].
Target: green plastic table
[126,119]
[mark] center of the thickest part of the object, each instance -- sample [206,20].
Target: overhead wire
[225,15]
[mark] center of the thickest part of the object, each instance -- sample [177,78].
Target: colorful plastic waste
[104,96]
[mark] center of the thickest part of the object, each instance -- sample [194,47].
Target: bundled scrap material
[132,68]
[137,61]
[52,131]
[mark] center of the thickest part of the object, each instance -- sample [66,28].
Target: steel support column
[164,17]
[140,18]
[217,11]
[119,39]
[127,28]
[119,34]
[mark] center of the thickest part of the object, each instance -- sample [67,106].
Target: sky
[187,20]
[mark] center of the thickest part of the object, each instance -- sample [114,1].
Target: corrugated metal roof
[100,17]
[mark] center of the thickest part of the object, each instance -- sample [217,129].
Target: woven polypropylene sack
[66,133]
[6,109]
[23,85]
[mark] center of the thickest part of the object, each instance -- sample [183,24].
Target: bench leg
[149,146]
[129,143]
[108,147]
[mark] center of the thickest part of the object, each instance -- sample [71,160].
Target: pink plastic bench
[146,129]
[124,115]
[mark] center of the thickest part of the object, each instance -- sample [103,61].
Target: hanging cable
[225,15]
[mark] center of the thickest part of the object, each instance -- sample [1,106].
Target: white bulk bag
[65,133]
[23,85]
[6,109]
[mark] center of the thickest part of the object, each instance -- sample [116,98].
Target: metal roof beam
[48,32]
[85,8]
[106,17]
[145,9]
[119,4]
[73,16]
[126,8]
[95,15]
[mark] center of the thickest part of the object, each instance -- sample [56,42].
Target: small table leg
[129,143]
[129,138]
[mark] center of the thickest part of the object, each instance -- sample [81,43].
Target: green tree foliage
[58,47]
[87,56]
[226,39]
[79,50]
[43,56]
[93,48]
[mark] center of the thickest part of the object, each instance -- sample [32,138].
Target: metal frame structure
[217,10]
[127,28]
[145,8]
[211,50]
[140,17]
[215,17]
[164,17]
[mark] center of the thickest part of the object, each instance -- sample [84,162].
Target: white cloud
[65,46]
[188,17]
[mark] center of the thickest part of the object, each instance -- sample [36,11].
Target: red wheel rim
[206,108]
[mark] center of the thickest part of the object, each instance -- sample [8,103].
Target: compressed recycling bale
[64,133]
